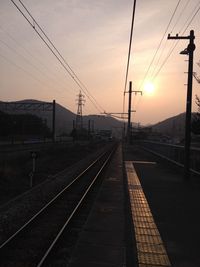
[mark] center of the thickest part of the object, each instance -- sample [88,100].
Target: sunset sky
[93,37]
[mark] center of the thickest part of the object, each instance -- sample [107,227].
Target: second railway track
[48,238]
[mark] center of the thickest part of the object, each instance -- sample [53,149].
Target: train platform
[157,227]
[174,203]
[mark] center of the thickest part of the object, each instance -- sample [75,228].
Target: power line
[24,58]
[25,70]
[130,44]
[58,56]
[129,51]
[184,28]
[174,46]
[163,49]
[166,41]
[159,45]
[180,15]
[64,60]
[53,78]
[192,19]
[21,68]
[187,21]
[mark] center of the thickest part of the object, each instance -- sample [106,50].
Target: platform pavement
[175,205]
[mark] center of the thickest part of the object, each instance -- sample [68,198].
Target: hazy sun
[149,88]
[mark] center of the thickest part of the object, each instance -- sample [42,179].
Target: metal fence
[173,153]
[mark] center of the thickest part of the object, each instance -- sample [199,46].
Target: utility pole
[89,127]
[93,126]
[130,111]
[188,51]
[54,121]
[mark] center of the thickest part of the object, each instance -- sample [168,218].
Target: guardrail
[173,153]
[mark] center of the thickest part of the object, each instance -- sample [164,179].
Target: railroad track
[48,238]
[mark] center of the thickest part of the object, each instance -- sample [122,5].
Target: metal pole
[129,112]
[93,126]
[53,121]
[190,49]
[89,127]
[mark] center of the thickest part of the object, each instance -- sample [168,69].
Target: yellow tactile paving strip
[150,249]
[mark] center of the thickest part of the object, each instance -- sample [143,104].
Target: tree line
[22,124]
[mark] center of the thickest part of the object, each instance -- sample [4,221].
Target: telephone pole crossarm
[177,37]
[133,91]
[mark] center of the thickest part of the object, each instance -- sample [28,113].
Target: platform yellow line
[150,248]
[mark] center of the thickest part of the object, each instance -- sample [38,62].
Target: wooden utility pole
[188,51]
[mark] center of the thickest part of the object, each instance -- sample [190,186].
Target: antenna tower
[79,118]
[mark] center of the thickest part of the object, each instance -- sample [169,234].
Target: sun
[149,88]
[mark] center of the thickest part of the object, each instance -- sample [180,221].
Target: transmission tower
[79,118]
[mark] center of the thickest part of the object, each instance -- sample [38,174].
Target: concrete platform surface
[165,218]
[174,203]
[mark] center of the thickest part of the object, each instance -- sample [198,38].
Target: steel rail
[50,202]
[45,257]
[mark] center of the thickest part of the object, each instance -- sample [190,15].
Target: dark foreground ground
[16,165]
[107,240]
[175,205]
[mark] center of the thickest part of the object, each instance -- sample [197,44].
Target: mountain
[63,117]
[173,127]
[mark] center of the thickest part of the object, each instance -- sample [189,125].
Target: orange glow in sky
[149,88]
[93,37]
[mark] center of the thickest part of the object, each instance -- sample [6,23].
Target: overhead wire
[30,74]
[22,69]
[182,31]
[52,77]
[154,72]
[64,60]
[191,20]
[180,15]
[188,19]
[24,58]
[129,51]
[130,44]
[58,56]
[42,73]
[160,43]
[166,41]
[174,46]
[40,81]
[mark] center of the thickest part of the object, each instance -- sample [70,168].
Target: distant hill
[173,127]
[64,118]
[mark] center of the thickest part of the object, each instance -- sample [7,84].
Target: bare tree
[195,127]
